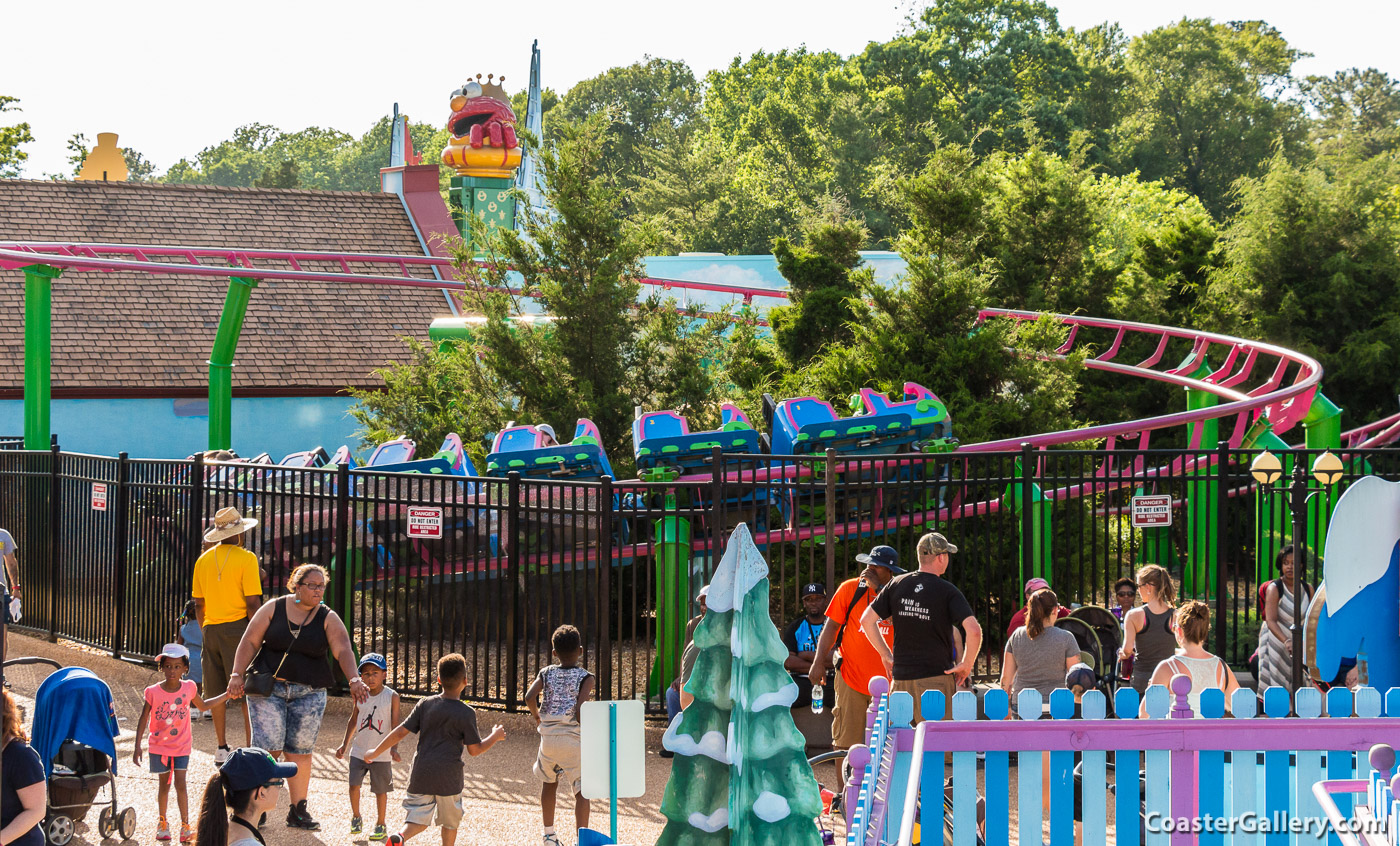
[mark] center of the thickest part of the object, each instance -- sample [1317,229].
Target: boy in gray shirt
[444,725]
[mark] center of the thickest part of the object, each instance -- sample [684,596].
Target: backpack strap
[855,600]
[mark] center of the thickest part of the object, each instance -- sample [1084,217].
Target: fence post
[122,514]
[55,557]
[828,543]
[718,521]
[196,527]
[340,560]
[1222,475]
[513,639]
[1027,515]
[605,564]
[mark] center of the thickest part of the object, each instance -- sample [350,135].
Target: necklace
[219,568]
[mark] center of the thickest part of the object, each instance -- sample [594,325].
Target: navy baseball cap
[814,589]
[252,767]
[1081,674]
[373,658]
[882,556]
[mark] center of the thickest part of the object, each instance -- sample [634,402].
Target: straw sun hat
[227,523]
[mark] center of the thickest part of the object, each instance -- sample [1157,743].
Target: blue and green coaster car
[662,439]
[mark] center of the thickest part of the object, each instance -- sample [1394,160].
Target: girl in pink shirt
[167,709]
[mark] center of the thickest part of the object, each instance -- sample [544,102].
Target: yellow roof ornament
[105,161]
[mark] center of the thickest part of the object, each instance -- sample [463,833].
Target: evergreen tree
[740,774]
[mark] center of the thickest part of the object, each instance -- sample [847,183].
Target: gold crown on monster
[482,124]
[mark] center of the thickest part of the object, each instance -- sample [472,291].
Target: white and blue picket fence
[1241,779]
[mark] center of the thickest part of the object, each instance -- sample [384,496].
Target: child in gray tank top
[554,700]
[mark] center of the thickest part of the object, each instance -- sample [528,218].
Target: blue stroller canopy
[75,704]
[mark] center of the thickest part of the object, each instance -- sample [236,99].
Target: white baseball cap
[173,650]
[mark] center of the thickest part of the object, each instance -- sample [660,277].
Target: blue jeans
[673,704]
[289,719]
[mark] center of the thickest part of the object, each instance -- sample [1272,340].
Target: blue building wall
[166,428]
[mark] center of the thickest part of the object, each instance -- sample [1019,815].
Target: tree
[11,137]
[1204,108]
[1358,113]
[822,283]
[597,353]
[641,104]
[740,774]
[281,176]
[138,167]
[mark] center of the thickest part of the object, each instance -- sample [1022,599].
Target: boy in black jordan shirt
[924,607]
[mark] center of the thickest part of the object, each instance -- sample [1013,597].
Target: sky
[172,78]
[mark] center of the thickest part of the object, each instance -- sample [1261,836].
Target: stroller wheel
[106,823]
[59,830]
[126,823]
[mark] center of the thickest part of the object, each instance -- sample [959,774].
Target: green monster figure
[740,774]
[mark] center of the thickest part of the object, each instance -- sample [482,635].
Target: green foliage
[1313,263]
[823,286]
[138,167]
[596,354]
[282,176]
[1358,113]
[1203,108]
[11,137]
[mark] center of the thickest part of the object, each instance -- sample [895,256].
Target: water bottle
[818,699]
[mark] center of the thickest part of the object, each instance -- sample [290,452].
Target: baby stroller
[1098,634]
[75,724]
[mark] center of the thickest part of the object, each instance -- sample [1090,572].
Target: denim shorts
[163,763]
[289,719]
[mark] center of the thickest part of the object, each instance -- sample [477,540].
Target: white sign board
[1152,511]
[99,496]
[424,522]
[631,749]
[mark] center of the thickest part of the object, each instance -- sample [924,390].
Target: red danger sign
[1152,511]
[99,496]
[425,522]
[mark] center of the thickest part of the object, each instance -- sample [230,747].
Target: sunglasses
[276,782]
[1123,593]
[313,586]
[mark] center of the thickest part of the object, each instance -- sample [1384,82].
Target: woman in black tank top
[288,641]
[1147,632]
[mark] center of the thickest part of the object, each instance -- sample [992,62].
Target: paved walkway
[501,797]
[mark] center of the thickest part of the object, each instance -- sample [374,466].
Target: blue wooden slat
[1339,762]
[1127,787]
[1244,772]
[901,709]
[1210,773]
[1157,763]
[931,707]
[1308,771]
[997,779]
[1028,766]
[1094,803]
[1276,769]
[964,776]
[1061,775]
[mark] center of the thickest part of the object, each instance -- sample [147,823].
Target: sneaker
[379,834]
[186,833]
[551,840]
[162,830]
[396,840]
[357,825]
[299,817]
[666,753]
[221,755]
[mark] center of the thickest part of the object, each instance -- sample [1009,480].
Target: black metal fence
[422,565]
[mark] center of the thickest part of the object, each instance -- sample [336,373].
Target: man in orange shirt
[858,660]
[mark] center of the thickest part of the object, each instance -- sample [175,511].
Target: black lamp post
[1327,470]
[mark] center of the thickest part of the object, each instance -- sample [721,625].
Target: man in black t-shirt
[801,637]
[924,607]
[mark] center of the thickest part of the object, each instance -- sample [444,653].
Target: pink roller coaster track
[1238,380]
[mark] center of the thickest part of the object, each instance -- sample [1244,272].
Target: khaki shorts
[848,718]
[916,688]
[220,645]
[419,807]
[558,761]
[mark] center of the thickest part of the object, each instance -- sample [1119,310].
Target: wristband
[235,675]
[356,679]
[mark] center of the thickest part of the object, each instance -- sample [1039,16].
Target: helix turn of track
[1283,396]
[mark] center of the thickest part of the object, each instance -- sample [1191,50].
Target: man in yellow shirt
[227,593]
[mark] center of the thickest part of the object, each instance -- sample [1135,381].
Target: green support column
[1273,525]
[1040,526]
[221,362]
[1202,493]
[1322,429]
[38,353]
[672,549]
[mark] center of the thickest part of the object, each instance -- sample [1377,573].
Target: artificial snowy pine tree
[740,774]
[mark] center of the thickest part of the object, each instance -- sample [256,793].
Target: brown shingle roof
[141,332]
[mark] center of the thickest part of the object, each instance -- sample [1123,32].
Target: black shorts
[381,775]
